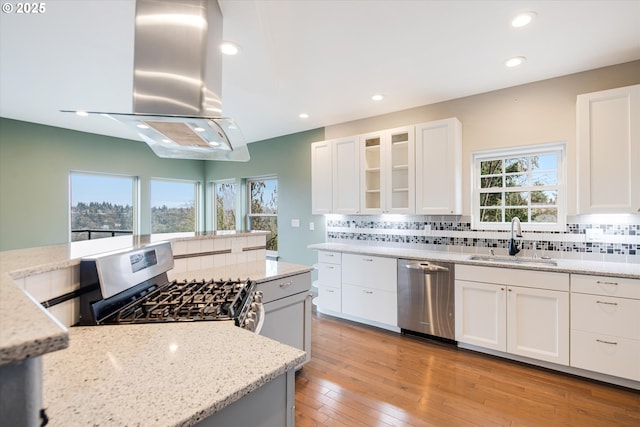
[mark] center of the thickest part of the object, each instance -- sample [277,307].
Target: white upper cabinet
[608,141]
[345,176]
[387,171]
[438,162]
[321,178]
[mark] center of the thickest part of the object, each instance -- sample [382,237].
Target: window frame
[558,148]
[197,203]
[135,198]
[270,253]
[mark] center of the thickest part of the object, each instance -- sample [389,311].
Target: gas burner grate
[188,301]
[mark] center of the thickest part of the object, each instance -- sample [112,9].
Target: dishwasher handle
[427,268]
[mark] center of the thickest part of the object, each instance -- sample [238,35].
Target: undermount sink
[513,259]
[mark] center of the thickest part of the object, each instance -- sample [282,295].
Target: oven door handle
[261,315]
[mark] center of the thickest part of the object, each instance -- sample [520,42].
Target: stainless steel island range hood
[177,81]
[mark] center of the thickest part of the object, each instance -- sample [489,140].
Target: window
[101,205]
[527,183]
[224,196]
[174,206]
[262,212]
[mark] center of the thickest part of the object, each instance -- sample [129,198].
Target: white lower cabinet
[329,281]
[480,314]
[605,325]
[371,304]
[538,324]
[528,320]
[369,288]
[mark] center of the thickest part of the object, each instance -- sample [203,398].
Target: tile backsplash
[615,242]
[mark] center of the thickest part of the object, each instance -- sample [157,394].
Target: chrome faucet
[513,246]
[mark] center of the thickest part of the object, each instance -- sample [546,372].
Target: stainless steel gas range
[132,286]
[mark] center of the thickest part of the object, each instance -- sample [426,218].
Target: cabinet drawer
[329,257]
[329,298]
[602,285]
[329,274]
[371,304]
[370,272]
[608,355]
[284,287]
[618,317]
[514,277]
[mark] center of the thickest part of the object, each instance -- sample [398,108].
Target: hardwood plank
[363,376]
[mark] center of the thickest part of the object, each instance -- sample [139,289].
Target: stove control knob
[250,325]
[255,307]
[257,297]
[251,316]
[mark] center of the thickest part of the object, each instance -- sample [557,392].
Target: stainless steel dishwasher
[426,298]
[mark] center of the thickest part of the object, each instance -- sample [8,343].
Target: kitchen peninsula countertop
[169,374]
[258,271]
[614,269]
[26,329]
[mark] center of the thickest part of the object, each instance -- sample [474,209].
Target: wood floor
[361,376]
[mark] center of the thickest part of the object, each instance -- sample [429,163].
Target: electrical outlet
[312,226]
[427,229]
[295,223]
[594,234]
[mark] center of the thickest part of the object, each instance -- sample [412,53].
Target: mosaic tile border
[619,242]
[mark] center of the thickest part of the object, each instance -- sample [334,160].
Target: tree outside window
[262,212]
[225,205]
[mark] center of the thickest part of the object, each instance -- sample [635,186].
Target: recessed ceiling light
[377,97]
[199,129]
[523,19]
[229,48]
[142,126]
[82,113]
[166,141]
[515,61]
[303,115]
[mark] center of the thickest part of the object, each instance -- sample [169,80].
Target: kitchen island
[87,369]
[175,374]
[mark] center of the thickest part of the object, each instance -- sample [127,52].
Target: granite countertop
[157,374]
[613,269]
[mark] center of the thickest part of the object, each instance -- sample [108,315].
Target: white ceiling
[323,57]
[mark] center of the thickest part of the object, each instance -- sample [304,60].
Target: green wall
[35,162]
[288,158]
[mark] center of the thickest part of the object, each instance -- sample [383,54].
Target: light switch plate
[312,226]
[295,223]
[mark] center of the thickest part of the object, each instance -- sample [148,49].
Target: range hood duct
[177,82]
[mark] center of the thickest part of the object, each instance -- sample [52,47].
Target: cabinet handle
[286,284]
[509,289]
[328,255]
[368,292]
[368,259]
[502,289]
[330,267]
[607,342]
[602,282]
[330,290]
[608,303]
